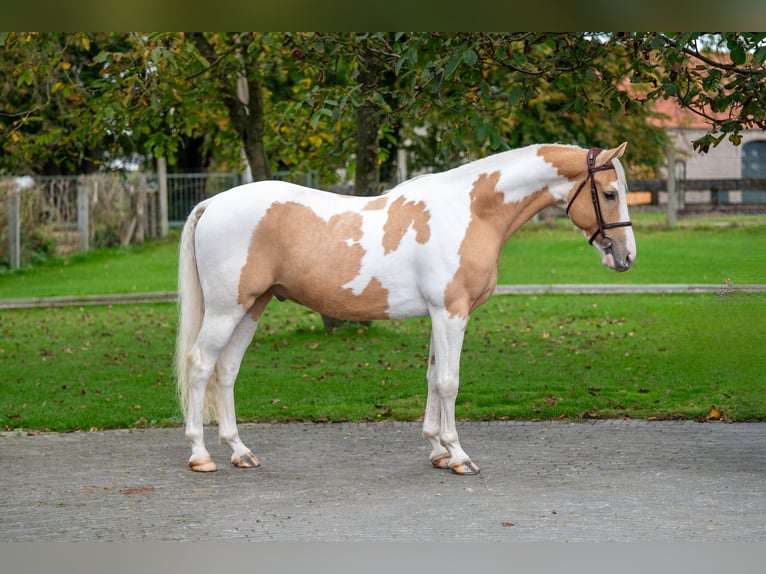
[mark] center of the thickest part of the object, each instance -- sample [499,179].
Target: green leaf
[399,63]
[658,42]
[413,55]
[484,89]
[670,89]
[737,53]
[26,77]
[453,64]
[496,142]
[482,131]
[516,95]
[470,57]
[315,120]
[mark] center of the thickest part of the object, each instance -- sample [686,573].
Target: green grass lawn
[528,357]
[134,269]
[548,356]
[536,254]
[709,254]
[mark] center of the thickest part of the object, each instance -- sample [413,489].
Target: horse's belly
[374,301]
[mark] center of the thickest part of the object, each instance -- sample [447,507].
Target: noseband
[592,169]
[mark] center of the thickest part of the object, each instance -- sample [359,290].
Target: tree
[45,116]
[235,70]
[720,77]
[77,101]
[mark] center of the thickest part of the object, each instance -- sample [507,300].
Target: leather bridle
[592,169]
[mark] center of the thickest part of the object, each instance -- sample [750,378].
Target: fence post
[672,187]
[401,164]
[14,229]
[162,176]
[140,212]
[83,216]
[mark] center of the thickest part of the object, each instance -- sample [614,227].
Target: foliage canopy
[75,102]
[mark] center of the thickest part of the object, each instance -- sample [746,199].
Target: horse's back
[353,257]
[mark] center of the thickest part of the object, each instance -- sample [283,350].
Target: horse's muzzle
[618,261]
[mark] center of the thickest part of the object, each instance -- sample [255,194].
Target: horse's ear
[609,154]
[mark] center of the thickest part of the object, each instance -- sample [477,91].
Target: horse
[428,246]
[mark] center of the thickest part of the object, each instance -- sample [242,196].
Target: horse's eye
[610,195]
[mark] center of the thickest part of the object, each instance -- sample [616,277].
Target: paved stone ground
[539,481]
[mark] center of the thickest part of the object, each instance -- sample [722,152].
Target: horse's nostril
[629,259]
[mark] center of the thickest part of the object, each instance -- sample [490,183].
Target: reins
[592,169]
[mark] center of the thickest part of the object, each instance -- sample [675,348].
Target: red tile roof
[676,116]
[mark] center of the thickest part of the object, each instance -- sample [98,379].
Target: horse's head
[598,205]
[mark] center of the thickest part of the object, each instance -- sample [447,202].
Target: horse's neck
[505,210]
[530,206]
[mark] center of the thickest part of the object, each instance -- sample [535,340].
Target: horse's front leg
[443,382]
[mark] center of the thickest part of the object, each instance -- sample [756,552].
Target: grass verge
[537,254]
[525,357]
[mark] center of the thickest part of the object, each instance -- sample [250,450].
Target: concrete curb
[568,289]
[86,300]
[659,288]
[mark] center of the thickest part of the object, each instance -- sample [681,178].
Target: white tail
[191,311]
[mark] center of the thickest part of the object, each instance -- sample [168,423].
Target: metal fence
[185,190]
[42,216]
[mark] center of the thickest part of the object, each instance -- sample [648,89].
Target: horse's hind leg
[432,421]
[213,337]
[227,369]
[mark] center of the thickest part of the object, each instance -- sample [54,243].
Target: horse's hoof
[203,465]
[247,460]
[441,461]
[465,468]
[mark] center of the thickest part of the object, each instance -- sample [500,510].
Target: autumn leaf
[550,400]
[714,415]
[137,490]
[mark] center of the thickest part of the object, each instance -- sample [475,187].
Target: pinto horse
[429,246]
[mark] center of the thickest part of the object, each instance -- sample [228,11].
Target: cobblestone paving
[539,481]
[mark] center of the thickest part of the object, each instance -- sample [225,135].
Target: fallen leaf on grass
[715,415]
[551,400]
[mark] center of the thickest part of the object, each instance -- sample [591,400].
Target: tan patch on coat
[295,254]
[402,215]
[376,204]
[570,162]
[492,222]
